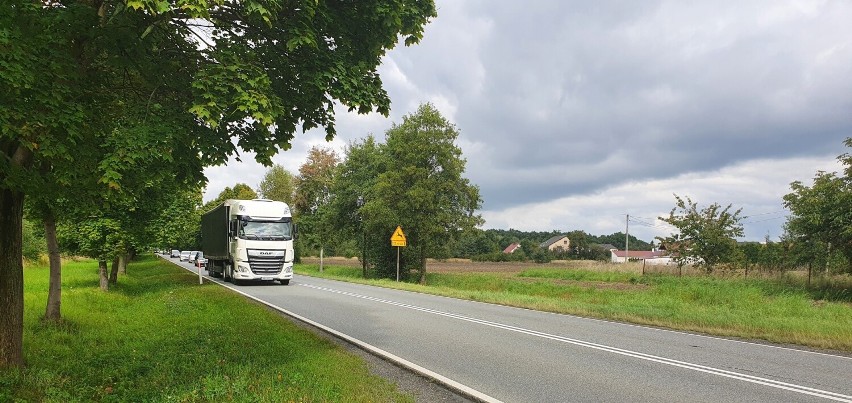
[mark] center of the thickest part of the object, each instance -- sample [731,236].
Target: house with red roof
[512,248]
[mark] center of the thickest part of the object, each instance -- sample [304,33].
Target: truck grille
[264,262]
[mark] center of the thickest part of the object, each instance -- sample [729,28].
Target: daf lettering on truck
[249,240]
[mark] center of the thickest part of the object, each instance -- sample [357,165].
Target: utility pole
[627,239]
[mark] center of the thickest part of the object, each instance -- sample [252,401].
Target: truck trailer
[246,240]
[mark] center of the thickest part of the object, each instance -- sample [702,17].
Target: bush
[32,242]
[541,256]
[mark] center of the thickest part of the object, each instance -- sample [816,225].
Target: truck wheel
[284,282]
[212,270]
[227,273]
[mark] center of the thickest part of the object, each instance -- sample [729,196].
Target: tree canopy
[313,184]
[277,184]
[821,214]
[240,191]
[414,180]
[705,236]
[312,198]
[129,86]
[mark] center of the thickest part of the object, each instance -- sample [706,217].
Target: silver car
[198,259]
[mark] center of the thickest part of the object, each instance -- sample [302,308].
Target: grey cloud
[672,88]
[564,98]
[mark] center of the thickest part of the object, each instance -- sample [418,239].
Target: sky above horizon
[573,115]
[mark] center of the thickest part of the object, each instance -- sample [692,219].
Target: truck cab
[249,240]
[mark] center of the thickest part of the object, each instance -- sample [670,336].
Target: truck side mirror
[232,228]
[295,231]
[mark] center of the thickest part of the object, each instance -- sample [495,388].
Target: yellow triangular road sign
[398,237]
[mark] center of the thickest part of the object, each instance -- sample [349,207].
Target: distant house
[659,257]
[512,248]
[557,243]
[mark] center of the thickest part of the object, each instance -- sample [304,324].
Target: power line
[651,225]
[640,221]
[645,218]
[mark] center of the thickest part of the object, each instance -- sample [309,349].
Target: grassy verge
[159,336]
[771,310]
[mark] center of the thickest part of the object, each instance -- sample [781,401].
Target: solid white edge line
[456,386]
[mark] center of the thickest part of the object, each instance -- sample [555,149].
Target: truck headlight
[288,269]
[242,269]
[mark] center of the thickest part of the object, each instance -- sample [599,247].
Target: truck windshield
[265,231]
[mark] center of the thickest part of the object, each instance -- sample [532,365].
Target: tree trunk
[809,273]
[11,279]
[113,273]
[364,252]
[103,274]
[54,293]
[122,263]
[422,264]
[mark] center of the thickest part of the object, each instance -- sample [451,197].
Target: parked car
[175,253]
[184,256]
[199,260]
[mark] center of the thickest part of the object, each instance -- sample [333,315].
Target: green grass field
[158,336]
[765,309]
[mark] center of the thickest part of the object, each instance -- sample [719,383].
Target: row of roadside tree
[111,109]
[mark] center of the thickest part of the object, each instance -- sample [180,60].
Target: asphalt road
[516,355]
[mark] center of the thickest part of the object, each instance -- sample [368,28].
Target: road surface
[498,353]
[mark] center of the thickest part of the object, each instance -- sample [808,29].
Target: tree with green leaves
[177,80]
[316,175]
[240,191]
[424,190]
[179,223]
[32,241]
[312,196]
[475,242]
[748,255]
[705,236]
[277,184]
[617,239]
[352,189]
[821,214]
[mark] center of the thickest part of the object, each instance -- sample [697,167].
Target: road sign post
[398,240]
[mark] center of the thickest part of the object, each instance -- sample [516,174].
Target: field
[462,265]
[467,266]
[780,309]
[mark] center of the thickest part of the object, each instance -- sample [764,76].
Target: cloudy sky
[574,114]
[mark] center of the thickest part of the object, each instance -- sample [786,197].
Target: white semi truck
[246,240]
